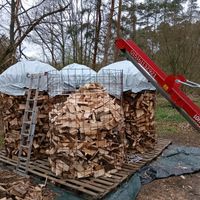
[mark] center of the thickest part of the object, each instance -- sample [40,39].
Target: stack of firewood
[86,134]
[12,113]
[139,112]
[82,133]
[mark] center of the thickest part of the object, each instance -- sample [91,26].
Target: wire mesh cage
[86,122]
[68,80]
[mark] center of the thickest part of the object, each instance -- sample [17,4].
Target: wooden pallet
[93,188]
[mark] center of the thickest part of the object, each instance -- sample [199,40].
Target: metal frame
[167,85]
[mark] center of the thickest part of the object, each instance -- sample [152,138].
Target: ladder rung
[21,171]
[21,167]
[30,99]
[24,146]
[23,158]
[25,134]
[28,122]
[22,164]
[29,111]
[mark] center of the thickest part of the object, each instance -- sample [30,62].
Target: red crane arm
[169,86]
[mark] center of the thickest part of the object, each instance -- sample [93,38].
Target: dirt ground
[185,187]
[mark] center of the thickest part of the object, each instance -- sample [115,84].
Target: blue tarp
[174,161]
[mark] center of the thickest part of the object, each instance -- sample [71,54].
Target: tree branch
[10,49]
[37,22]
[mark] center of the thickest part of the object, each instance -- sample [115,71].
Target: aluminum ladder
[28,125]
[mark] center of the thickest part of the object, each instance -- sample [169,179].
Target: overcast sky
[31,49]
[143,1]
[138,1]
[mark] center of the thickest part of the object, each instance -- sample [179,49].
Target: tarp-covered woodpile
[138,104]
[86,134]
[133,80]
[76,75]
[82,132]
[14,83]
[14,80]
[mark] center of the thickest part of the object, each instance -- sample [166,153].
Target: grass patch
[197,101]
[167,128]
[168,120]
[166,113]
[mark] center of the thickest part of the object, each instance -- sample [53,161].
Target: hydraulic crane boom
[168,86]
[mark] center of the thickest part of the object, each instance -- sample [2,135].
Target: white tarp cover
[14,80]
[69,78]
[133,79]
[76,75]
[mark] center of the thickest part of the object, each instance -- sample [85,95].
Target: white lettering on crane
[197,118]
[140,60]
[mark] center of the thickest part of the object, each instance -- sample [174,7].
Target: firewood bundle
[12,114]
[139,112]
[86,134]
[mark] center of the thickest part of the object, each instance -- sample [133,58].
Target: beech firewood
[86,134]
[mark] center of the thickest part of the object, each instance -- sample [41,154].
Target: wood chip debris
[13,186]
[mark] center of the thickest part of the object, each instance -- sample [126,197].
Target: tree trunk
[116,54]
[134,20]
[108,34]
[97,30]
[63,41]
[86,40]
[81,47]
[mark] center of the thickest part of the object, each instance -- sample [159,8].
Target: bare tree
[116,51]
[97,31]
[19,32]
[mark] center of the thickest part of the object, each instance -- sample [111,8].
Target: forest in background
[84,31]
